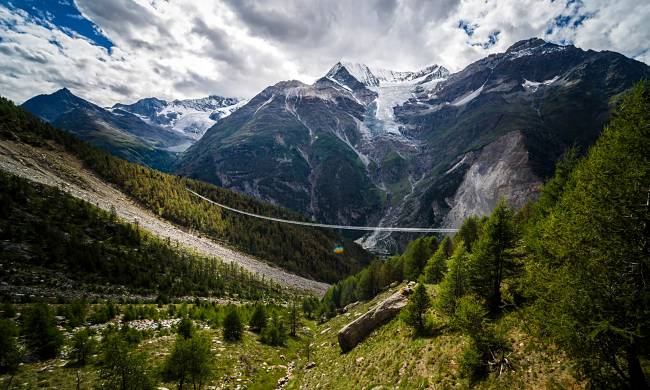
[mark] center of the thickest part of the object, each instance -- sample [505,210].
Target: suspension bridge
[328,226]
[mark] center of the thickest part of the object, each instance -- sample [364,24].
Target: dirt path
[54,167]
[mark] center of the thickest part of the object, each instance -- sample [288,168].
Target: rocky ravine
[54,167]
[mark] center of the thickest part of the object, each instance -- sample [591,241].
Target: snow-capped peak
[374,77]
[191,117]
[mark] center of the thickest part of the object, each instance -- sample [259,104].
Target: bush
[274,333]
[43,337]
[10,353]
[75,312]
[232,325]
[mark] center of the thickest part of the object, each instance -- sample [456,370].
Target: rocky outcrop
[354,332]
[501,170]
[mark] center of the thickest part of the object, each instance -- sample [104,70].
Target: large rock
[354,332]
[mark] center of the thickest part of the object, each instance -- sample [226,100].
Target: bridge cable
[322,225]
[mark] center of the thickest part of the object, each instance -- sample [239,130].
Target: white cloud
[237,47]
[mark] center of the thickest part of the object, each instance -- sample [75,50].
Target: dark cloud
[219,45]
[287,21]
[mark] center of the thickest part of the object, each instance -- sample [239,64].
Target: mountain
[150,131]
[427,148]
[190,117]
[117,131]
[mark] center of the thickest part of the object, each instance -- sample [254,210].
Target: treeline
[574,263]
[304,251]
[43,226]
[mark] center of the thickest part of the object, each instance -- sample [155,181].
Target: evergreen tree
[455,283]
[274,333]
[121,368]
[309,304]
[258,319]
[416,255]
[83,345]
[590,283]
[232,325]
[492,258]
[415,311]
[469,232]
[43,338]
[10,353]
[437,264]
[190,361]
[185,328]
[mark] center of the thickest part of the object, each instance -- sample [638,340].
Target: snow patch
[534,85]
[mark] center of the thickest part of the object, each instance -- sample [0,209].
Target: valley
[316,195]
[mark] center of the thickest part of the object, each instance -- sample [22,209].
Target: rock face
[354,332]
[501,170]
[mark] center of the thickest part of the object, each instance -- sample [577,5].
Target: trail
[52,166]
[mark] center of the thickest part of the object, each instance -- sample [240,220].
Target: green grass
[391,357]
[247,363]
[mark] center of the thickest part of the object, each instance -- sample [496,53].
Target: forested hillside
[307,252]
[570,270]
[43,228]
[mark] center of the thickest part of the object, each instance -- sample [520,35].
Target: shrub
[10,353]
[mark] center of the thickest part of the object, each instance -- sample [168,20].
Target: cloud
[186,48]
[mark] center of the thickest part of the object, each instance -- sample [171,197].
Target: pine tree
[190,361]
[415,311]
[232,325]
[592,278]
[492,258]
[437,264]
[258,319]
[416,255]
[39,327]
[455,283]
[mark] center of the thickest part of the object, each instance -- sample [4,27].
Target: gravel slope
[53,166]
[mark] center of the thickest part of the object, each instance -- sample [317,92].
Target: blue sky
[63,14]
[111,51]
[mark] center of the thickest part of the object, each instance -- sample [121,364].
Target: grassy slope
[247,363]
[392,358]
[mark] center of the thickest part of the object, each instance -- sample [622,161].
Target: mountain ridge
[388,153]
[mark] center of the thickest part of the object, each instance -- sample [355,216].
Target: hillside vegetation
[307,252]
[44,229]
[565,275]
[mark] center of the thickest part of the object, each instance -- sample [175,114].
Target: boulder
[354,332]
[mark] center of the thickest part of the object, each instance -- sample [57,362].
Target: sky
[110,51]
